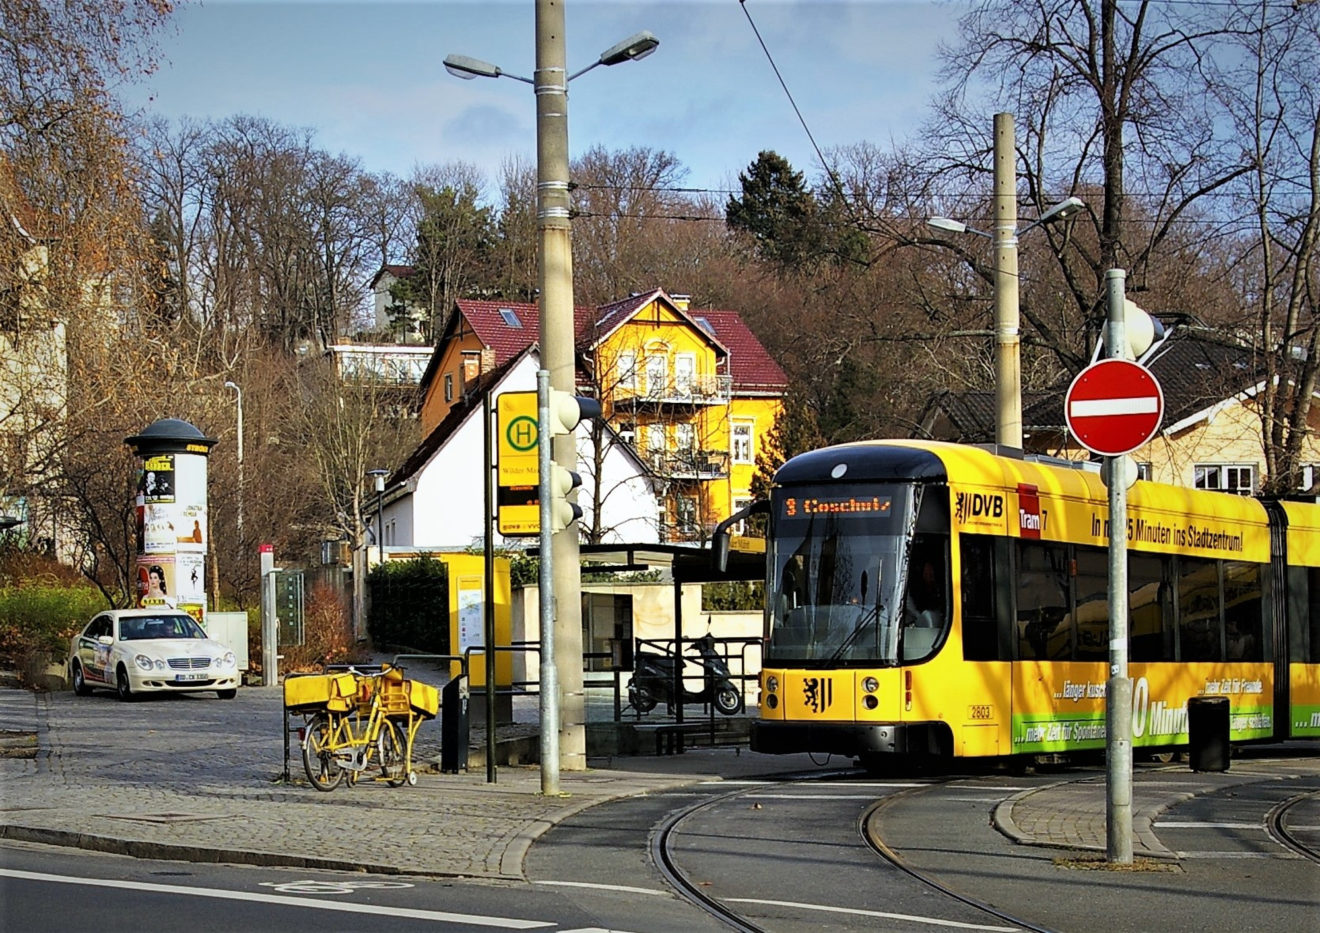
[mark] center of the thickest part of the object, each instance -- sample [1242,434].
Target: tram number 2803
[980,711]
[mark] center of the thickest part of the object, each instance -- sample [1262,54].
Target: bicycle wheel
[392,749]
[318,761]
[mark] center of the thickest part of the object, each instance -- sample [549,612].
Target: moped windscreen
[836,573]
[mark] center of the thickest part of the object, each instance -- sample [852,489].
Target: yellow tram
[928,598]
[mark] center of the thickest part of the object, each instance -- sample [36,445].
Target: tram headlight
[771,683]
[870,684]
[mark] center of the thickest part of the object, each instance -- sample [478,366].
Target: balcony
[694,465]
[696,390]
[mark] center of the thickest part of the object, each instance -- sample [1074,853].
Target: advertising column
[172,531]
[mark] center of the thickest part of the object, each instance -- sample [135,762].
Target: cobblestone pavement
[201,778]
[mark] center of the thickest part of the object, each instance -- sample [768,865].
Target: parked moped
[653,680]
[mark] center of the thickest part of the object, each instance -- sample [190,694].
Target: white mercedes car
[134,651]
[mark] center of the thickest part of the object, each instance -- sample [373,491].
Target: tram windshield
[838,587]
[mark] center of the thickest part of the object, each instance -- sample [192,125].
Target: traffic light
[563,511]
[1140,328]
[566,412]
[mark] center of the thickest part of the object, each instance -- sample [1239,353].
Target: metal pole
[549,676]
[380,516]
[270,664]
[556,280]
[1118,691]
[489,565]
[1008,367]
[235,387]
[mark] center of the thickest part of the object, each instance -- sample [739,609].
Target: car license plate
[178,678]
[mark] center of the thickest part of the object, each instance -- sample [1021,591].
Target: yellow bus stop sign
[518,471]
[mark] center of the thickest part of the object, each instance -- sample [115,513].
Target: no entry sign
[1113,407]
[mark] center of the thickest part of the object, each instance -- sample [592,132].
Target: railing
[695,390]
[690,464]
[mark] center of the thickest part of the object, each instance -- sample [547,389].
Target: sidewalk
[127,778]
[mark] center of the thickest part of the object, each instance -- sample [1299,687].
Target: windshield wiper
[868,618]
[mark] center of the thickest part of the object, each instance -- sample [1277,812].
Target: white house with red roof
[688,398]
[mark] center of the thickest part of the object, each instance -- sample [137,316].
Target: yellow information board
[517,499]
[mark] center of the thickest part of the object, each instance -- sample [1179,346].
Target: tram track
[872,838]
[1276,823]
[663,856]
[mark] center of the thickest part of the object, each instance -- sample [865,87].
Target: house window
[655,445]
[1239,478]
[657,373]
[684,437]
[511,317]
[471,367]
[1310,476]
[686,507]
[627,370]
[741,527]
[1145,469]
[685,367]
[449,387]
[741,443]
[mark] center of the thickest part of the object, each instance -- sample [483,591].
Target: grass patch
[1100,863]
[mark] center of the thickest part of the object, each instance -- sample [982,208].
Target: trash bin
[454,725]
[1207,733]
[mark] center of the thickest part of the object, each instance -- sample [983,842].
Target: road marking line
[606,887]
[1231,855]
[1095,408]
[807,797]
[874,913]
[1177,824]
[507,923]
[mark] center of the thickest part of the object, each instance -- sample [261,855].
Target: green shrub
[37,621]
[733,594]
[409,606]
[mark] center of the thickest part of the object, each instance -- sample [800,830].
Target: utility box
[231,630]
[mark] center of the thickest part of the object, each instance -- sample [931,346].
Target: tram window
[980,636]
[1243,618]
[1042,602]
[1150,605]
[1092,615]
[1199,625]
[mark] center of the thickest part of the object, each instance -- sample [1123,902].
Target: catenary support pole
[1008,365]
[556,280]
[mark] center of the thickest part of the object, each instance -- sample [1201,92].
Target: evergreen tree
[777,210]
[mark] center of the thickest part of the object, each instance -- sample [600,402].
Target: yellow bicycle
[365,727]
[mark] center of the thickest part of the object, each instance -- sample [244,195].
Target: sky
[367,77]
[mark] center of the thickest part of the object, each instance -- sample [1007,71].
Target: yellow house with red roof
[693,392]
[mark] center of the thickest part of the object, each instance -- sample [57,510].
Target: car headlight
[143,662]
[227,660]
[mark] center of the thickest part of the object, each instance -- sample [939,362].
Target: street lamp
[239,399]
[560,600]
[631,49]
[1008,367]
[380,509]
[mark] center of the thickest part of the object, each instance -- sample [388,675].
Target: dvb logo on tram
[973,505]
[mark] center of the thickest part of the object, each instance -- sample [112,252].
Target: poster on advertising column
[190,503]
